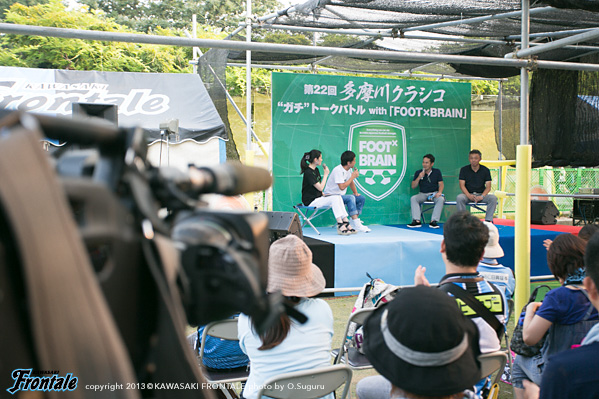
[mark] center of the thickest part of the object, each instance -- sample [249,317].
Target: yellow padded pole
[522,226]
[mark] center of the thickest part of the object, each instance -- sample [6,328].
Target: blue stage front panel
[388,253]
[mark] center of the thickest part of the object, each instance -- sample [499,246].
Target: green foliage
[52,52]
[335,40]
[236,81]
[5,5]
[512,86]
[284,38]
[145,16]
[485,87]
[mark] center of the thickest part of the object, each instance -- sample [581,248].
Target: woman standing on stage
[312,187]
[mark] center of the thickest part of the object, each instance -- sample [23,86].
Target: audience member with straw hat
[288,345]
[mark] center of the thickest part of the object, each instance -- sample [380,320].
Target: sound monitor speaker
[585,210]
[543,212]
[281,224]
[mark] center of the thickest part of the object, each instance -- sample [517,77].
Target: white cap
[493,249]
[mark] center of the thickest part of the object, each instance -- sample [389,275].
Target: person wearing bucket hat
[502,277]
[423,345]
[287,345]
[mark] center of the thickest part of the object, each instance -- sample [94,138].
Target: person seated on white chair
[313,185]
[288,346]
[423,347]
[342,177]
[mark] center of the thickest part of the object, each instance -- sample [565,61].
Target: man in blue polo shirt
[475,183]
[430,182]
[573,373]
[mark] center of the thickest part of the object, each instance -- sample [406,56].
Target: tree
[52,52]
[145,16]
[5,5]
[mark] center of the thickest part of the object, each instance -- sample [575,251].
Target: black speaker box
[543,212]
[585,209]
[282,223]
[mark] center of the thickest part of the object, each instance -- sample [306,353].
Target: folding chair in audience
[224,329]
[307,213]
[308,384]
[492,362]
[348,353]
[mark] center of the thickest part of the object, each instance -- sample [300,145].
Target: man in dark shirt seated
[475,183]
[430,182]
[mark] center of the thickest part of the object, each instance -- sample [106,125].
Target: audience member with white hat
[494,272]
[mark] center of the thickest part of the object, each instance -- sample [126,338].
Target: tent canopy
[143,99]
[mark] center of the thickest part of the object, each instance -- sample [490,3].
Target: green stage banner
[389,123]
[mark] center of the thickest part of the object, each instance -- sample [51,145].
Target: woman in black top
[312,187]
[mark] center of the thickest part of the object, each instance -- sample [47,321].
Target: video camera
[104,258]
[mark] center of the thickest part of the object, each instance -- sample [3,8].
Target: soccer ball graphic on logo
[371,175]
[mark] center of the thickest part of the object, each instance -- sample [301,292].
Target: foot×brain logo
[380,149]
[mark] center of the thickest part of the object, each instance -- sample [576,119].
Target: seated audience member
[289,346]
[464,240]
[475,183]
[501,276]
[312,187]
[423,347]
[585,233]
[342,177]
[429,181]
[574,373]
[566,314]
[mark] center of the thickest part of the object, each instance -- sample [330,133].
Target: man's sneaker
[433,225]
[415,223]
[358,226]
[366,229]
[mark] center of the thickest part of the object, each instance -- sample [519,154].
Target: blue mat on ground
[538,253]
[388,253]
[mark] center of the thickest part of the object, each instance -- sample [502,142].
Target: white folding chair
[307,213]
[308,384]
[224,329]
[347,353]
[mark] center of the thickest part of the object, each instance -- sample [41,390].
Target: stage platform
[392,253]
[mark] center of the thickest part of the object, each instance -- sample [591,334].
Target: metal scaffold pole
[523,172]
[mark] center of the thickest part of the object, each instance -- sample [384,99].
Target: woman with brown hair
[287,345]
[566,314]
